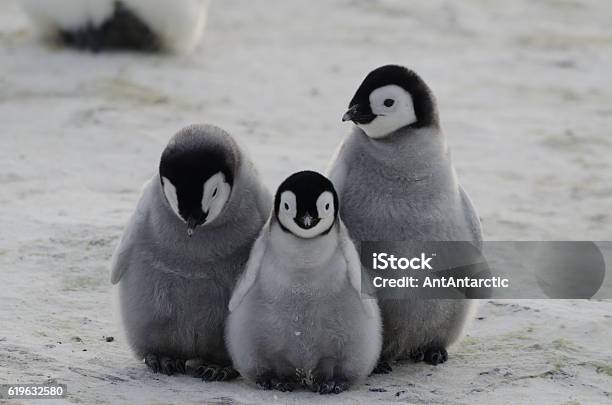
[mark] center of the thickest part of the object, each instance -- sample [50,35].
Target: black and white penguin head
[306,204]
[389,98]
[196,176]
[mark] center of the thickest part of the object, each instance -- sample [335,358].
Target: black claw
[152,362]
[167,365]
[417,355]
[382,367]
[210,373]
[179,366]
[198,372]
[221,375]
[282,386]
[340,387]
[227,373]
[193,367]
[234,374]
[333,387]
[435,356]
[264,384]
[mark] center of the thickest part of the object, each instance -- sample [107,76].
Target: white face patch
[394,109]
[171,197]
[216,193]
[288,206]
[287,213]
[325,205]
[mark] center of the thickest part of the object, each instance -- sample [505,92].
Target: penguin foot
[170,366]
[282,386]
[435,355]
[331,387]
[163,364]
[212,372]
[179,365]
[208,372]
[269,381]
[227,373]
[417,355]
[152,361]
[383,367]
[264,383]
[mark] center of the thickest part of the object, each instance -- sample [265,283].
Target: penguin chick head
[306,204]
[389,98]
[196,175]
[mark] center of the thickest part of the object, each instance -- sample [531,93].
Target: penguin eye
[389,102]
[286,207]
[214,194]
[327,207]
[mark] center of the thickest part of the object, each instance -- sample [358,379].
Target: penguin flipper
[337,171]
[472,217]
[131,237]
[251,271]
[264,201]
[353,265]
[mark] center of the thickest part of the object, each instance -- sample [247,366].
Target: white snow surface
[525,97]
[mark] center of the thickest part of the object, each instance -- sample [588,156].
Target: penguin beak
[357,116]
[192,223]
[352,112]
[307,221]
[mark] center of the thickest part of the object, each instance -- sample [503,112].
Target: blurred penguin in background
[101,25]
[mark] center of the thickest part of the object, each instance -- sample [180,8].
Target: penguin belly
[411,324]
[174,315]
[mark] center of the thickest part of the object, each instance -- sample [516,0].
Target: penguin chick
[396,182]
[183,250]
[98,25]
[298,315]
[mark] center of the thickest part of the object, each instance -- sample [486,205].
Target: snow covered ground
[525,96]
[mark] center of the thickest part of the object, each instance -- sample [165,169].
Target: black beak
[192,223]
[356,115]
[306,221]
[352,112]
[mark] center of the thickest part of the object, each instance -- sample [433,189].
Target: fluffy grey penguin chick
[298,315]
[396,182]
[183,250]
